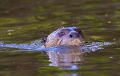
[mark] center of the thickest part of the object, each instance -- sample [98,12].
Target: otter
[63,36]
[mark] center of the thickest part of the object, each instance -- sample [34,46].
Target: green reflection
[117,12]
[38,9]
[57,7]
[89,17]
[24,21]
[60,13]
[7,20]
[88,6]
[94,73]
[50,71]
[100,59]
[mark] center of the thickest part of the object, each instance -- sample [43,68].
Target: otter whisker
[59,42]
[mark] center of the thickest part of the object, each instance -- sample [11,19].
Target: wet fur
[63,36]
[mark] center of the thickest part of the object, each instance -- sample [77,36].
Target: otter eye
[61,34]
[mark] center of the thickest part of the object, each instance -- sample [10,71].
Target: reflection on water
[63,57]
[69,59]
[30,46]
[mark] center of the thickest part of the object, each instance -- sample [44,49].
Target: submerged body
[64,36]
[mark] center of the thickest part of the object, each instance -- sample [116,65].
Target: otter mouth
[74,42]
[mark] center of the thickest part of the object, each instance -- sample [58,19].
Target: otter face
[64,36]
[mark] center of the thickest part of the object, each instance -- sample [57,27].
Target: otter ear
[80,32]
[43,40]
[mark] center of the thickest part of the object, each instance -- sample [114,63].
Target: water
[24,22]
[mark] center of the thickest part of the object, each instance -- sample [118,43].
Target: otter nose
[74,35]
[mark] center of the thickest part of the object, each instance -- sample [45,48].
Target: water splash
[36,45]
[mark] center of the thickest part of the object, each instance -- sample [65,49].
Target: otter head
[64,36]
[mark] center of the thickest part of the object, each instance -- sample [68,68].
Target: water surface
[24,22]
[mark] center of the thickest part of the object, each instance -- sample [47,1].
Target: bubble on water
[109,21]
[9,33]
[10,30]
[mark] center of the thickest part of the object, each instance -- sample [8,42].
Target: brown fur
[63,36]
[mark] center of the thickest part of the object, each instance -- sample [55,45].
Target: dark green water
[25,21]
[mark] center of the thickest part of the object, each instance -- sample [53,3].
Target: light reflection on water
[64,57]
[36,45]
[69,58]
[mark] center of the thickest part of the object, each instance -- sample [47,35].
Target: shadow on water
[24,22]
